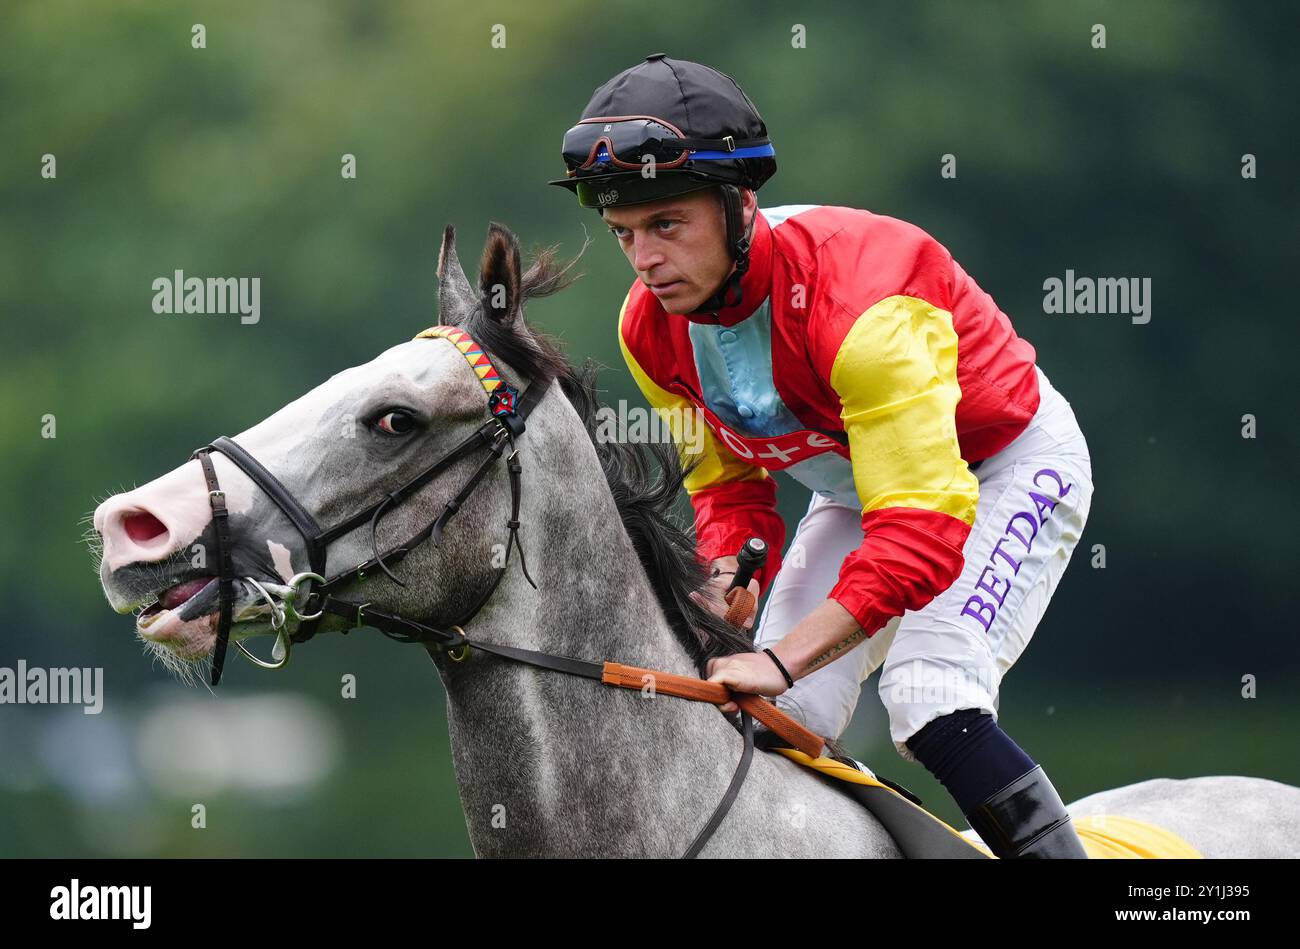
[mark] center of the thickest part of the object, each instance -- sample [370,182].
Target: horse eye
[396,422]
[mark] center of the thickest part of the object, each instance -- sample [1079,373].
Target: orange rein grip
[669,683]
[810,743]
[701,690]
[740,606]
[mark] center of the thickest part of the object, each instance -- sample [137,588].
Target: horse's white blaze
[280,557]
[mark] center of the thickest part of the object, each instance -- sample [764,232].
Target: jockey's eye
[396,422]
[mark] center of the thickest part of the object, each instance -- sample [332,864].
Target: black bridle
[509,413]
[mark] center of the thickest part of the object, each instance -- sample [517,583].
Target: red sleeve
[907,558]
[885,343]
[728,514]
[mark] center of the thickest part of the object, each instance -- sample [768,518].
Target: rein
[509,412]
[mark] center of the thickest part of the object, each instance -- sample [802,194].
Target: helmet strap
[730,293]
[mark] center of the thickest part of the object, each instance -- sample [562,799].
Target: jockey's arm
[894,369]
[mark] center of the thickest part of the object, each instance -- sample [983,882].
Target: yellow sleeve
[694,440]
[896,376]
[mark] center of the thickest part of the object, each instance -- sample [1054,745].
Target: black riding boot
[1027,819]
[1004,794]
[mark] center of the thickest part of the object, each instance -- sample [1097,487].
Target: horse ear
[499,276]
[456,298]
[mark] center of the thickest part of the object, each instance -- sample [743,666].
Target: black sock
[970,755]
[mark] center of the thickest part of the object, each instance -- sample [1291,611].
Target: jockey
[949,480]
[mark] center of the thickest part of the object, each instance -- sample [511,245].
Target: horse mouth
[183,601]
[184,618]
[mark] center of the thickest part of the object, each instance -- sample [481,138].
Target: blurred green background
[1123,161]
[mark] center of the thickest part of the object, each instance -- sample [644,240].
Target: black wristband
[789,682]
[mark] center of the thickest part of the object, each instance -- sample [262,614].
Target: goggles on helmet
[625,142]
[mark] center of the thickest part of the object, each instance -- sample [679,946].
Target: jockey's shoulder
[816,231]
[857,257]
[636,303]
[850,258]
[640,335]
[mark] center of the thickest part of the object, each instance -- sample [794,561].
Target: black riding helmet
[666,127]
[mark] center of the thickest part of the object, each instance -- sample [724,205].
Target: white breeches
[952,654]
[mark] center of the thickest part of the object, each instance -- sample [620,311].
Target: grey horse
[548,764]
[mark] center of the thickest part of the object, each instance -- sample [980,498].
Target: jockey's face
[678,246]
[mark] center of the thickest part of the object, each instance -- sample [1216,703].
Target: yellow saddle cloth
[1104,836]
[1112,837]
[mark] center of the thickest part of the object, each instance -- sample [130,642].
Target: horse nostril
[143,526]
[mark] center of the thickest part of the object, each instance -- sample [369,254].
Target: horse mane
[644,479]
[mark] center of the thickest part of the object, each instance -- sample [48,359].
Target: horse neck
[554,764]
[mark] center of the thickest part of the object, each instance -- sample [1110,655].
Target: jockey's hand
[746,672]
[712,596]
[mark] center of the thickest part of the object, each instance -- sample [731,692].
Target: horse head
[343,448]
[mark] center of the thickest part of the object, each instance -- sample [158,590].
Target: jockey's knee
[969,754]
[917,692]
